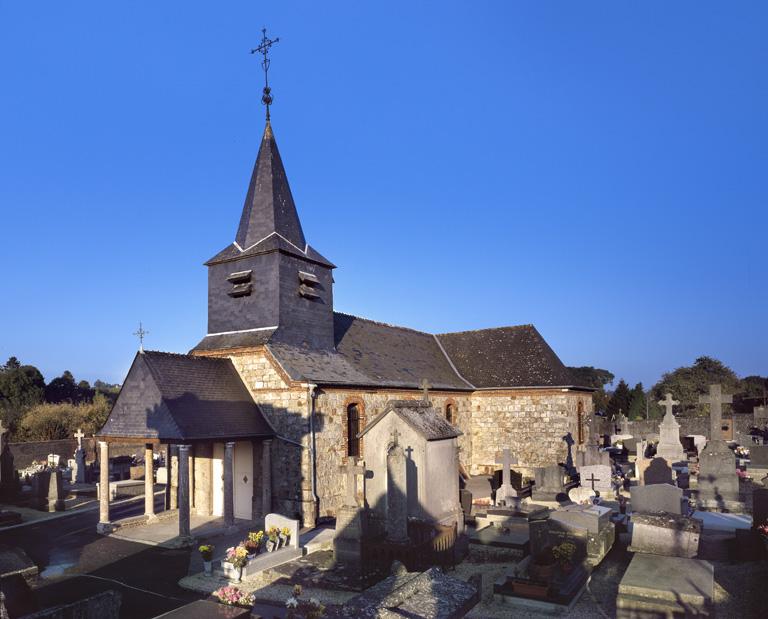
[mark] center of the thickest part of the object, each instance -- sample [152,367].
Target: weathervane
[263,49]
[140,334]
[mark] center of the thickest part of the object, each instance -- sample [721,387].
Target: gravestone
[592,455]
[48,490]
[656,498]
[569,467]
[347,543]
[506,495]
[658,472]
[79,476]
[668,535]
[758,456]
[669,446]
[699,442]
[718,483]
[597,477]
[588,526]
[397,494]
[550,484]
[715,399]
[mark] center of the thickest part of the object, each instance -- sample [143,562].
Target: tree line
[34,410]
[686,384]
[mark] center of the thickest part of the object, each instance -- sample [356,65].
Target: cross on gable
[668,403]
[715,399]
[395,436]
[352,470]
[425,387]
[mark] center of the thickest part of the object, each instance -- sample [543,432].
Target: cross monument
[592,479]
[668,403]
[715,399]
[506,490]
[352,471]
[79,436]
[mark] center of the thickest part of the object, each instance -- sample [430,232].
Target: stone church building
[276,396]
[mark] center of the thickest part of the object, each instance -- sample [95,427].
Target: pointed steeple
[269,205]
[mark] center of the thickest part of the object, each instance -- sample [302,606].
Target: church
[262,412]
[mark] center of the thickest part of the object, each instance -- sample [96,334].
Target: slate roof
[183,397]
[505,357]
[243,339]
[419,415]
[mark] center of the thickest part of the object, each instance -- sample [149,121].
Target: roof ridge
[383,324]
[180,354]
[523,326]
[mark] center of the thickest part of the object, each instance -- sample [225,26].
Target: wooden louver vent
[308,285]
[241,284]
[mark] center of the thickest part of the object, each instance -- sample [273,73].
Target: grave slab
[667,535]
[666,585]
[656,498]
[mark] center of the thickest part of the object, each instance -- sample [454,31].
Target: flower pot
[283,540]
[207,567]
[271,546]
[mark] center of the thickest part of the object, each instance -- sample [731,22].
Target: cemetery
[295,461]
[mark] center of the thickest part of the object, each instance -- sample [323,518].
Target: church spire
[269,205]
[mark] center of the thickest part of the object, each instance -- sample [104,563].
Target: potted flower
[237,557]
[232,596]
[563,554]
[285,536]
[272,539]
[206,552]
[297,607]
[253,543]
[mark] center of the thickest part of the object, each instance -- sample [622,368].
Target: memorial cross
[506,463]
[668,403]
[715,399]
[79,436]
[425,387]
[592,479]
[352,471]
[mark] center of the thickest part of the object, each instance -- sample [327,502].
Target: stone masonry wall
[531,423]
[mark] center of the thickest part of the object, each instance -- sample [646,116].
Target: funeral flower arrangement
[254,541]
[299,608]
[232,596]
[564,553]
[741,452]
[237,556]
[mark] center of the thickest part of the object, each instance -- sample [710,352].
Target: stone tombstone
[48,490]
[280,522]
[656,498]
[670,448]
[161,475]
[347,542]
[718,483]
[597,477]
[397,494]
[592,455]
[550,483]
[506,493]
[658,472]
[666,535]
[699,441]
[53,460]
[588,526]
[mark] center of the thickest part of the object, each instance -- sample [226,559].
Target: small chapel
[282,390]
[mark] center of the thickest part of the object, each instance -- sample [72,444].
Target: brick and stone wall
[531,423]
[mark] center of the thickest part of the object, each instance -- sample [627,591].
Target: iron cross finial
[141,333]
[263,49]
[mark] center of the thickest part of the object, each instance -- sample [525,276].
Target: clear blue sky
[596,169]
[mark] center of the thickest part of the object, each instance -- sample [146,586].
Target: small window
[450,414]
[353,429]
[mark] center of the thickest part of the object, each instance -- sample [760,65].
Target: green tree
[637,407]
[588,376]
[686,384]
[620,401]
[21,386]
[62,389]
[49,422]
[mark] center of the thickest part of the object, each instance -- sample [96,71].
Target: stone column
[104,525]
[149,482]
[184,531]
[229,490]
[173,472]
[266,476]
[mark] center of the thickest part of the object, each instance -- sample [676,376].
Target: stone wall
[25,453]
[688,425]
[531,423]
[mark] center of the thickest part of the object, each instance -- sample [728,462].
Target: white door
[217,479]
[243,479]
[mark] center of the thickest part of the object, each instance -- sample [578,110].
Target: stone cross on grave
[425,387]
[668,403]
[715,399]
[506,490]
[352,471]
[79,436]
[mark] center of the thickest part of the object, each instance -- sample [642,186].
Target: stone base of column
[105,528]
[152,518]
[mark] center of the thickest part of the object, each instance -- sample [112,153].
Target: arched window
[580,421]
[353,429]
[450,413]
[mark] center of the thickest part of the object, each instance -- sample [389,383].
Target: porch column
[173,472]
[266,473]
[184,532]
[229,494]
[149,481]
[104,526]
